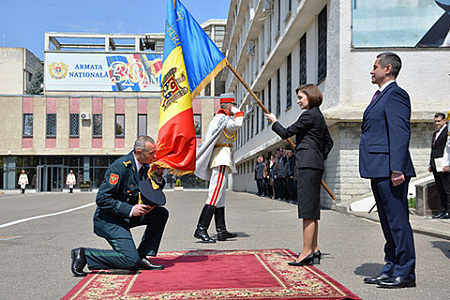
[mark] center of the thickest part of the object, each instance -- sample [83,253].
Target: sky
[24,22]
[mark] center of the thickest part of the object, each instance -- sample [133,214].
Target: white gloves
[235,110]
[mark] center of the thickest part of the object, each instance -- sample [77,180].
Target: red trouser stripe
[219,184]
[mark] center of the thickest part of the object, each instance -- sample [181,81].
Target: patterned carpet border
[294,282]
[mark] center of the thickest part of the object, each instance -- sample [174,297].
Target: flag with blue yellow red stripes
[190,61]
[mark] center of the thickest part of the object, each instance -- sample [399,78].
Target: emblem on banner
[58,70]
[171,90]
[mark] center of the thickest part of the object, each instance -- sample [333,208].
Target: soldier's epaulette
[127,163]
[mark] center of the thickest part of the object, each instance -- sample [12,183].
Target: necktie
[375,95]
[435,137]
[142,173]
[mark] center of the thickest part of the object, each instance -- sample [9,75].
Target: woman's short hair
[313,93]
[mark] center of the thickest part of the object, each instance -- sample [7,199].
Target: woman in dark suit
[313,145]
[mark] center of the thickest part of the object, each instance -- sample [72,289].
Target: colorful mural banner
[399,23]
[102,72]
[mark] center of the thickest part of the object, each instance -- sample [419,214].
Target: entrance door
[50,178]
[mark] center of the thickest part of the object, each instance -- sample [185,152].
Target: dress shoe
[397,282]
[438,215]
[445,216]
[203,235]
[78,262]
[308,260]
[317,257]
[223,236]
[376,279]
[146,264]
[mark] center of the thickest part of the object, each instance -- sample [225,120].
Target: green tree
[36,84]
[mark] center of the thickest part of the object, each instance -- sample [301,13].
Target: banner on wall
[103,72]
[400,23]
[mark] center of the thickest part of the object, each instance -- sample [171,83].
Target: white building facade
[277,45]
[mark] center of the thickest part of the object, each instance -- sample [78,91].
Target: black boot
[78,262]
[203,224]
[222,233]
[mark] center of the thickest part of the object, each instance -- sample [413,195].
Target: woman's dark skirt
[308,193]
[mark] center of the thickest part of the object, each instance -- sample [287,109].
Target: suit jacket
[312,137]
[384,145]
[116,196]
[437,150]
[259,170]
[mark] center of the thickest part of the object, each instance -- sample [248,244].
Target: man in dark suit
[441,179]
[384,158]
[119,209]
[259,175]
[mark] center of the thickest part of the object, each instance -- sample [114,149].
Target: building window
[269,41]
[279,16]
[198,125]
[302,60]
[97,125]
[322,47]
[142,125]
[51,125]
[269,95]
[264,103]
[289,82]
[27,125]
[278,108]
[252,129]
[208,90]
[120,125]
[74,127]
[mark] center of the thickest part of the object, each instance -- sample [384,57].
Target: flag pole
[266,111]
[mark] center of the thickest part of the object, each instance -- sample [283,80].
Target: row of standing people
[275,177]
[23,181]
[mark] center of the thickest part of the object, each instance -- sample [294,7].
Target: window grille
[120,126]
[289,82]
[74,125]
[322,47]
[51,125]
[278,94]
[302,60]
[97,126]
[142,125]
[27,125]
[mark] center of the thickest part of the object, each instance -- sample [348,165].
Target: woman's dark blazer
[312,137]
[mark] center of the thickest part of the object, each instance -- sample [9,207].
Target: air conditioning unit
[85,116]
[267,6]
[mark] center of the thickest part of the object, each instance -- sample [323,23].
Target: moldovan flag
[190,61]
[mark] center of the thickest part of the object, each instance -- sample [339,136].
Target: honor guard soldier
[127,198]
[71,181]
[214,163]
[23,181]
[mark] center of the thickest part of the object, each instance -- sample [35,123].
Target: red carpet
[238,274]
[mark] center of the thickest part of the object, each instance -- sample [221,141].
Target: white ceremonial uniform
[23,181]
[446,157]
[71,180]
[216,163]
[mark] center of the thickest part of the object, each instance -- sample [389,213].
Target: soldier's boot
[203,224]
[222,232]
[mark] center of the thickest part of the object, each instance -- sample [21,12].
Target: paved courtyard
[37,232]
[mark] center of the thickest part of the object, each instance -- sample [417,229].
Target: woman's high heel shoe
[306,261]
[317,257]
